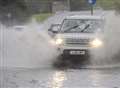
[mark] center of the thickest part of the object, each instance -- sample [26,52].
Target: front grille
[77,41]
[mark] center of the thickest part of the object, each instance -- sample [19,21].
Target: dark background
[21,10]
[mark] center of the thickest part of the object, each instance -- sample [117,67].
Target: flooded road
[70,78]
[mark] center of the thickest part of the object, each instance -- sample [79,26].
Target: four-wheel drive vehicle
[79,34]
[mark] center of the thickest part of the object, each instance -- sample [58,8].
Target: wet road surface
[54,78]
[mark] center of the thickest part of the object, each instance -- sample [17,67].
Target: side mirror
[54,28]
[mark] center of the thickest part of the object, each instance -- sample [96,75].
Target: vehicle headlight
[96,43]
[59,41]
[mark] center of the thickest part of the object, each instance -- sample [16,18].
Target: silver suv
[78,34]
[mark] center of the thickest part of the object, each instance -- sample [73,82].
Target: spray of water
[109,53]
[29,47]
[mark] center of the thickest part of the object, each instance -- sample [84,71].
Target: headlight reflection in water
[58,79]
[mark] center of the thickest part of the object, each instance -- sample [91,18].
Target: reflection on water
[58,79]
[96,78]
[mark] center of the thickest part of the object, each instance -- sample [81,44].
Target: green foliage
[41,17]
[77,5]
[13,11]
[108,4]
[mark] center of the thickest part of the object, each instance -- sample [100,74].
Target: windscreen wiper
[87,26]
[71,28]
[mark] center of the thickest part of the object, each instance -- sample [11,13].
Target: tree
[13,11]
[77,5]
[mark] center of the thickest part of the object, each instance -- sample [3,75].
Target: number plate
[77,52]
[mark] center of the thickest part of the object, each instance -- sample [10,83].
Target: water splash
[109,53]
[29,47]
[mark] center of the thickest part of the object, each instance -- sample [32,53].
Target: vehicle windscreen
[81,25]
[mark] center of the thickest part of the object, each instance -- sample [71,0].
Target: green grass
[108,4]
[42,17]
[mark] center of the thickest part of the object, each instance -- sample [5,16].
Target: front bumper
[74,50]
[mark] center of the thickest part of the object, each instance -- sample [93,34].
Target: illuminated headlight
[59,41]
[96,43]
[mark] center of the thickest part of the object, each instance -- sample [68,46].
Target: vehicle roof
[84,17]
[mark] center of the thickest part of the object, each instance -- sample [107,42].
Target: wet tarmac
[60,78]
